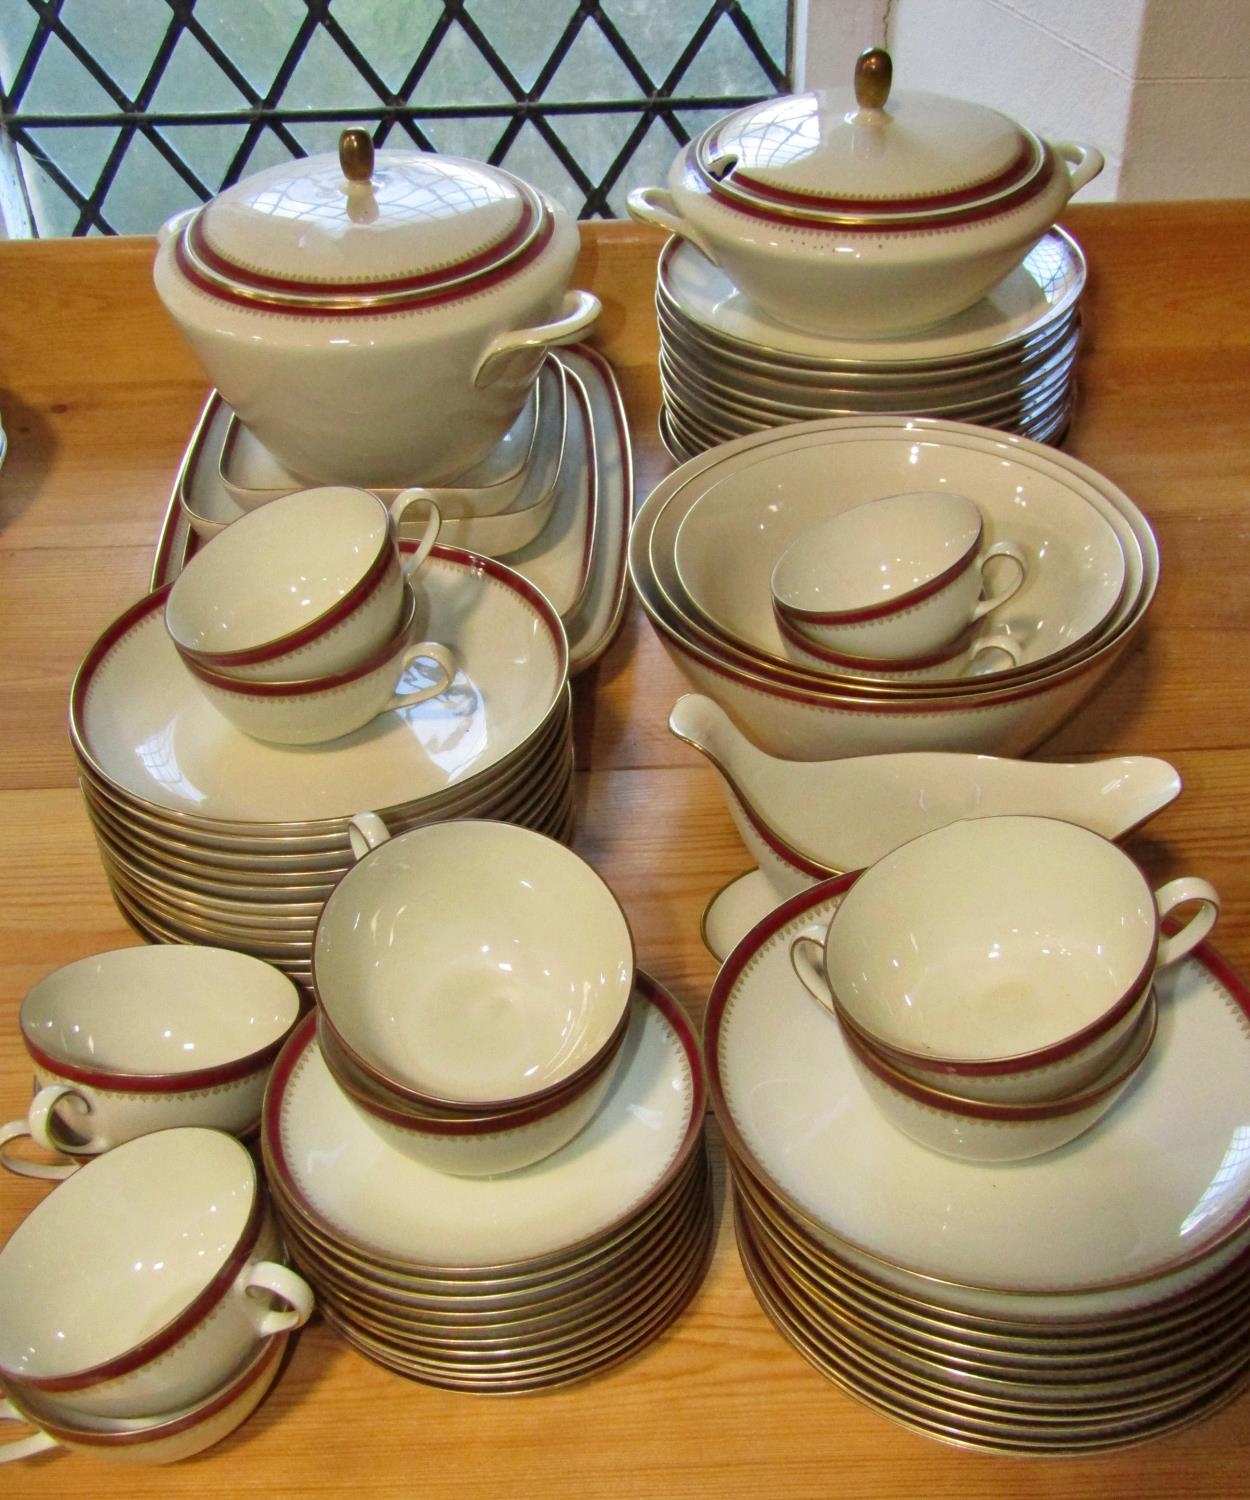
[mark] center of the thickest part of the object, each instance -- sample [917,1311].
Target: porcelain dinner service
[980,1081]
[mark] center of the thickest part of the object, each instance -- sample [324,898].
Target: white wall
[1161,88]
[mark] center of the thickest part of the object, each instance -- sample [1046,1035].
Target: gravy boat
[807,820]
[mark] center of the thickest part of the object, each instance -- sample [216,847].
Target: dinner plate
[140,723]
[366,1193]
[1156,1198]
[1075,570]
[1045,285]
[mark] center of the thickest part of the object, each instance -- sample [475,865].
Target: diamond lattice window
[118,113]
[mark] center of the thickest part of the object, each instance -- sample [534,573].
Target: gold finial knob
[874,72]
[356,155]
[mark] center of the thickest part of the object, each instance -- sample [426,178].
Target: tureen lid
[355,230]
[856,156]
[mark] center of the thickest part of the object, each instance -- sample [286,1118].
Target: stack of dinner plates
[1008,362]
[706,541]
[1082,1300]
[209,836]
[517,1282]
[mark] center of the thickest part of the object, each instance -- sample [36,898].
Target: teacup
[137,1286]
[976,1130]
[473,966]
[310,585]
[311,710]
[894,578]
[164,1439]
[141,1039]
[1002,958]
[968,656]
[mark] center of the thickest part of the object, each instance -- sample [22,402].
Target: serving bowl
[849,213]
[375,320]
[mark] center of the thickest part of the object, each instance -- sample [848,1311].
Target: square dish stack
[210,836]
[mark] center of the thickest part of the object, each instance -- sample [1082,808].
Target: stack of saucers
[514,1282]
[706,544]
[1090,1298]
[1009,361]
[211,836]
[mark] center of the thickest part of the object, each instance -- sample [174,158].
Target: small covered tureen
[375,321]
[850,213]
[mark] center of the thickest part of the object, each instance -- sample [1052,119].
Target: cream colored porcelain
[375,321]
[316,710]
[849,213]
[1005,953]
[753,510]
[1151,1204]
[142,1039]
[526,964]
[804,821]
[775,703]
[1028,305]
[252,477]
[487,1146]
[133,694]
[998,1132]
[897,578]
[337,1173]
[165,1439]
[310,586]
[132,1289]
[975,653]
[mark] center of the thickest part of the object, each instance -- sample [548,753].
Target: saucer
[364,1193]
[141,724]
[1150,1203]
[734,910]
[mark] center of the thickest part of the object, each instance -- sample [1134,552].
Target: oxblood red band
[1019,172]
[887,607]
[156,1083]
[894,224]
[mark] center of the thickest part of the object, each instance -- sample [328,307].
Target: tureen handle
[1084,163]
[356,155]
[579,311]
[656,205]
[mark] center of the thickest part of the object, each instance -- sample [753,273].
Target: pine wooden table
[98,396]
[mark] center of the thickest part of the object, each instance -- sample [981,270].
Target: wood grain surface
[98,395]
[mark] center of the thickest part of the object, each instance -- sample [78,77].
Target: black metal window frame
[658,99]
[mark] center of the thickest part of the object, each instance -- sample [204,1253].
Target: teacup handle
[657,206]
[366,831]
[27,1447]
[984,647]
[1010,551]
[441,657]
[807,953]
[38,1126]
[579,311]
[399,507]
[1176,893]
[290,1286]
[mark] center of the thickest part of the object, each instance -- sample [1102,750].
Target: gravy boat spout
[806,820]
